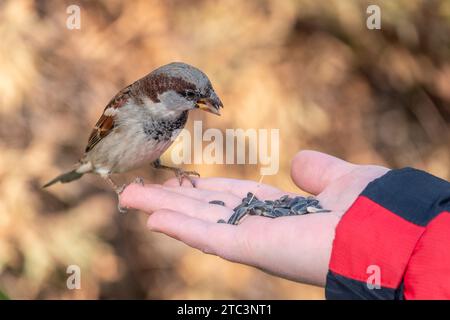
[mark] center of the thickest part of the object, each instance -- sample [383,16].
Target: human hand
[293,247]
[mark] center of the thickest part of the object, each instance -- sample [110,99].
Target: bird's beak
[211,104]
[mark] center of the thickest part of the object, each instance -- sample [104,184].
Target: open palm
[293,247]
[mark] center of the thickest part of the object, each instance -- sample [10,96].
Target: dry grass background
[310,68]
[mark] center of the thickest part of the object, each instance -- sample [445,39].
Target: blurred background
[310,68]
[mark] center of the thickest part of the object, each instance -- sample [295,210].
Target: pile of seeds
[285,206]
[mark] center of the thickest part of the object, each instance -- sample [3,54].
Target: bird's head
[185,88]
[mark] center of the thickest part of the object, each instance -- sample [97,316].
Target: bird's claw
[181,174]
[119,190]
[121,209]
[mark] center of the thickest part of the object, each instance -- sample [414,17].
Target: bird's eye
[189,94]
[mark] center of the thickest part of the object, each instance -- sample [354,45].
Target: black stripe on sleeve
[413,194]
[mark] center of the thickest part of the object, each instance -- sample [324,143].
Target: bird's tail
[65,177]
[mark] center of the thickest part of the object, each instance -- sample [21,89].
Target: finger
[237,187]
[224,240]
[230,200]
[258,242]
[313,171]
[149,199]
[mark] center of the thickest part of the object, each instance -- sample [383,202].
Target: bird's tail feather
[64,178]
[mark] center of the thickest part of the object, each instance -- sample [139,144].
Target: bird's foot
[121,209]
[181,174]
[119,190]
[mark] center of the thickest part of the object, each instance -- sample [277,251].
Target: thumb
[313,171]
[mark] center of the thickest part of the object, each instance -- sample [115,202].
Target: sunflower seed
[218,202]
[280,212]
[238,215]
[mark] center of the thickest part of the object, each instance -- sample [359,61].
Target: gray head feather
[187,73]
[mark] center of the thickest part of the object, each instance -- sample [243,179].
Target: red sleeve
[427,275]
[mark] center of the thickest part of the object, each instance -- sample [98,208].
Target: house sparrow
[142,121]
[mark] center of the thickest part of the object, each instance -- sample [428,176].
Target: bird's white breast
[130,145]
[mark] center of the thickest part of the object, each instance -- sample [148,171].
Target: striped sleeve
[394,241]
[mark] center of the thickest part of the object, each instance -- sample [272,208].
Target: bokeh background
[310,68]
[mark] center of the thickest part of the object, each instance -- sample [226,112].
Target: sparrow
[141,122]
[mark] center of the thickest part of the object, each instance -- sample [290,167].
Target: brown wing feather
[105,124]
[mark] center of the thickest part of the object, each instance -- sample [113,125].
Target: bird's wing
[106,124]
